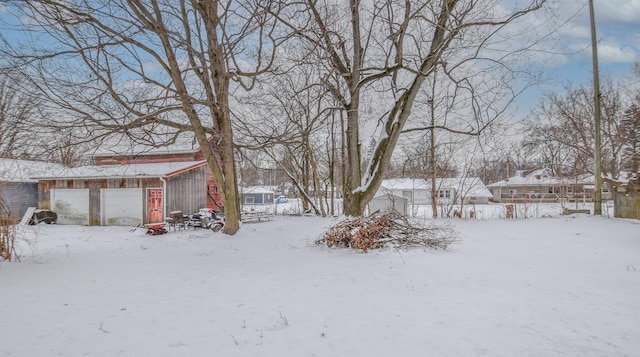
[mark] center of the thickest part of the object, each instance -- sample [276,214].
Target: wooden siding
[215,198]
[187,192]
[94,186]
[627,205]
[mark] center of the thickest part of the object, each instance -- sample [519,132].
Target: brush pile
[386,229]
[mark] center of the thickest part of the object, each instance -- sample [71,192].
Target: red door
[154,204]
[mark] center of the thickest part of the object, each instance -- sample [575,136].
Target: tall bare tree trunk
[414,37]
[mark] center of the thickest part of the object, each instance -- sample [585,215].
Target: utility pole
[597,198]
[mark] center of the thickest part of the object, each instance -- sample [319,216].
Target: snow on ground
[561,286]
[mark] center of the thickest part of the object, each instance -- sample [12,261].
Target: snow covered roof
[257,189]
[12,170]
[472,186]
[405,184]
[165,169]
[624,177]
[541,177]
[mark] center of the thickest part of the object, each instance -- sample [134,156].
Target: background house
[540,185]
[450,190]
[17,188]
[257,195]
[127,194]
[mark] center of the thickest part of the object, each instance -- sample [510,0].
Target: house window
[570,189]
[554,189]
[249,200]
[444,193]
[512,191]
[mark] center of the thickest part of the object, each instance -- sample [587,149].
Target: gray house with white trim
[18,189]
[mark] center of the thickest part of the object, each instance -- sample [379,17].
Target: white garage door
[121,206]
[71,205]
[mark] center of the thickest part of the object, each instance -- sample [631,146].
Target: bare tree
[17,111]
[414,159]
[152,70]
[25,132]
[502,160]
[288,122]
[392,47]
[631,132]
[563,133]
[550,153]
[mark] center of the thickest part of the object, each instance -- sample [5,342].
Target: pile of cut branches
[386,229]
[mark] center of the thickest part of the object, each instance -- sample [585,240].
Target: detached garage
[124,195]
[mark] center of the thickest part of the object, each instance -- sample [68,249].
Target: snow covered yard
[562,286]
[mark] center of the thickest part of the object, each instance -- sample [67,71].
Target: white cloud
[575,31]
[152,66]
[616,11]
[609,52]
[616,54]
[617,30]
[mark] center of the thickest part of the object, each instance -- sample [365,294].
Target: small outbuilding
[389,202]
[626,196]
[257,195]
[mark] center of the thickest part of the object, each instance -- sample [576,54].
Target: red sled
[155,229]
